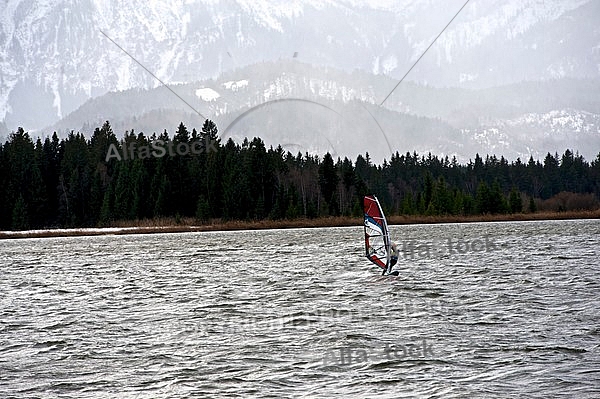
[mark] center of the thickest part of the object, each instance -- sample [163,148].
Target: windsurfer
[394,255]
[394,259]
[379,249]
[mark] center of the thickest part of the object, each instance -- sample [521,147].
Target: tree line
[80,182]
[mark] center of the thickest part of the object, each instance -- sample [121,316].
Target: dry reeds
[180,225]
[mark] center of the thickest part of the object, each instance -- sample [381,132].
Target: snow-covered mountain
[57,54]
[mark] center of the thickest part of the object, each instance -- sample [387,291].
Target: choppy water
[300,313]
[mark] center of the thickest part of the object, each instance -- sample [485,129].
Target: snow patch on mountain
[236,85]
[559,121]
[389,64]
[207,94]
[538,133]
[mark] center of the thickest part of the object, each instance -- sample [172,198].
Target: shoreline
[169,225]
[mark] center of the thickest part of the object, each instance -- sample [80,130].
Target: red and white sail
[377,235]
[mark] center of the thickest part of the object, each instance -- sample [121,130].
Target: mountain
[318,109]
[57,54]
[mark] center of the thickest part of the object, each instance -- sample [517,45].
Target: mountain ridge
[326,109]
[53,56]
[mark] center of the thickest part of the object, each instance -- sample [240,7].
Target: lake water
[483,309]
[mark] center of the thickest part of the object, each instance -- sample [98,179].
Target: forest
[81,182]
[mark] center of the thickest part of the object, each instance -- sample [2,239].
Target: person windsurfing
[379,249]
[394,259]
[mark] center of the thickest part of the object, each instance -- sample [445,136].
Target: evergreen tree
[514,201]
[75,182]
[532,207]
[551,176]
[496,200]
[408,205]
[328,181]
[214,162]
[482,200]
[23,182]
[441,202]
[234,186]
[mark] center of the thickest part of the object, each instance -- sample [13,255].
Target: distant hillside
[319,109]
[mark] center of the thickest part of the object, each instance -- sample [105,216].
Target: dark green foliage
[515,203]
[328,181]
[72,183]
[427,190]
[532,207]
[482,199]
[441,201]
[202,209]
[20,218]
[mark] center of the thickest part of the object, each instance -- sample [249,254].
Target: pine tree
[213,171]
[482,200]
[408,206]
[458,203]
[75,181]
[514,201]
[532,207]
[328,181]
[496,200]
[441,202]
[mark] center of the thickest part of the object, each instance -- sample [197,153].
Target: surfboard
[377,235]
